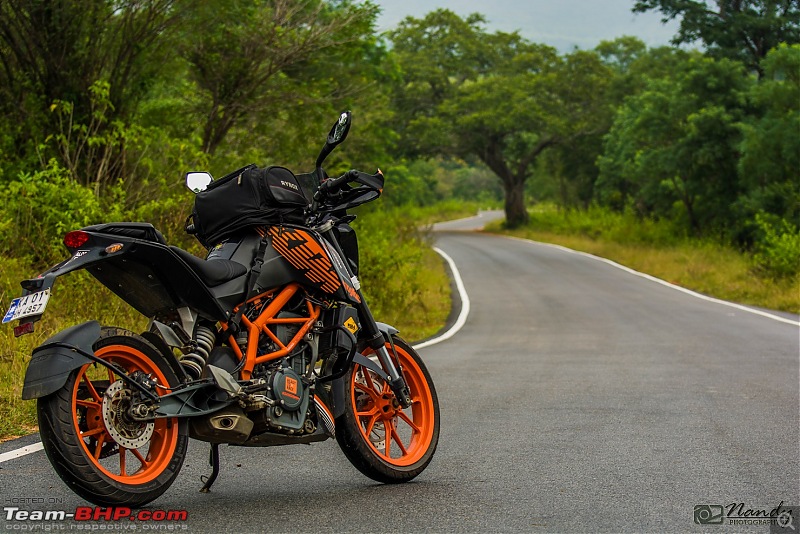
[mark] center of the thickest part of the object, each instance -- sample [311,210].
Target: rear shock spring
[194,362]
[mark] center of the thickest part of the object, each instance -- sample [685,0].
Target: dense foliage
[105,104]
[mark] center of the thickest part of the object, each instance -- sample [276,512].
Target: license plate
[33,304]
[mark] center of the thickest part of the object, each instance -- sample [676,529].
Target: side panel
[277,271]
[153,279]
[315,262]
[241,250]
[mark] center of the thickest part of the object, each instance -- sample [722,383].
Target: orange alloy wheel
[398,436]
[127,451]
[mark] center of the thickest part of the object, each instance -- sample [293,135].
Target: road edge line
[463,314]
[658,280]
[23,451]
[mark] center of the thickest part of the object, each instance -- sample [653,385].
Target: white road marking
[16,453]
[463,314]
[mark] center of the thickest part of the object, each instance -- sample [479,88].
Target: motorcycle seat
[212,272]
[136,230]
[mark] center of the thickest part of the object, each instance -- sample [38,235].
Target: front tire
[100,453]
[385,442]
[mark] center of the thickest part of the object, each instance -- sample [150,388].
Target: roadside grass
[75,298]
[658,249]
[444,211]
[418,302]
[404,280]
[420,311]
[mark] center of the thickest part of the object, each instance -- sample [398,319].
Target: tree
[770,149]
[623,56]
[254,58]
[745,30]
[58,50]
[496,97]
[677,141]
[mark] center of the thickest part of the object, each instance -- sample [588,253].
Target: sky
[563,24]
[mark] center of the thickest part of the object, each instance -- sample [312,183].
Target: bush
[41,207]
[599,223]
[403,279]
[777,252]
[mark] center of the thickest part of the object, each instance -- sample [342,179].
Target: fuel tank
[314,261]
[294,254]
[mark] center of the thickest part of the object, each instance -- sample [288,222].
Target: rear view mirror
[340,129]
[337,134]
[198,181]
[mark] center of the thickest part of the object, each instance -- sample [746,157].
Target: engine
[286,396]
[278,398]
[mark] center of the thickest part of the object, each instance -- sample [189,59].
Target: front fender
[56,358]
[339,387]
[387,330]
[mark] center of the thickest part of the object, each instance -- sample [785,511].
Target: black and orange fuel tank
[294,254]
[315,262]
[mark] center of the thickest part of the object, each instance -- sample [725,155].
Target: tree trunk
[688,203]
[516,214]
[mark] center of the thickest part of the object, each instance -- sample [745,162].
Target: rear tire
[406,449]
[102,455]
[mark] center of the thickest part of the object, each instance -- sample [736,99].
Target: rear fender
[56,358]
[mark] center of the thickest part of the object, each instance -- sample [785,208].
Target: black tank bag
[246,198]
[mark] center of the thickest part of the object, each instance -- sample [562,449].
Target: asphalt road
[577,398]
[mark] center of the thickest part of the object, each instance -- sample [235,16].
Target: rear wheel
[101,453]
[381,439]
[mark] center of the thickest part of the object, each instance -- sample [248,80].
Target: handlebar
[332,185]
[338,194]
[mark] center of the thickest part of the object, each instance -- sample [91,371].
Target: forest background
[690,150]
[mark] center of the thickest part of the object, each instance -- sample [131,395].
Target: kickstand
[213,460]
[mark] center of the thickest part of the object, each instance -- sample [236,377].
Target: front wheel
[381,439]
[100,452]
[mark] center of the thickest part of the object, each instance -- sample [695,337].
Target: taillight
[75,239]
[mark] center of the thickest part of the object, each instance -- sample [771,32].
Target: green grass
[661,250]
[404,280]
[444,211]
[75,298]
[418,312]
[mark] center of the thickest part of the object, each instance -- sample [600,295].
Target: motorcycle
[267,341]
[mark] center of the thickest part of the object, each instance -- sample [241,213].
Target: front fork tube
[397,382]
[375,337]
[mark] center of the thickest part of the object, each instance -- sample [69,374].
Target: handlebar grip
[330,185]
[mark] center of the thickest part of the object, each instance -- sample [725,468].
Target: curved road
[577,397]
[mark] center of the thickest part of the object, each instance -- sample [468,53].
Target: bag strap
[252,277]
